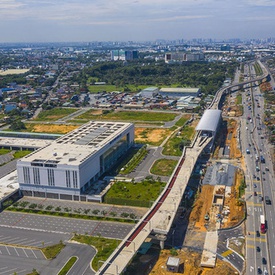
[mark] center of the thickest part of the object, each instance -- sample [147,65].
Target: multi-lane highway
[260,245]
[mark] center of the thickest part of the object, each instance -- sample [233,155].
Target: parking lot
[67,226]
[20,252]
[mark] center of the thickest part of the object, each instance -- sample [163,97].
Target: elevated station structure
[158,220]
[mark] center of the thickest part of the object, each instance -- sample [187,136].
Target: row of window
[70,180]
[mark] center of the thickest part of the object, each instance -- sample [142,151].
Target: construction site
[217,204]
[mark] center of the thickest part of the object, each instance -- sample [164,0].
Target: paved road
[223,250]
[7,168]
[23,260]
[251,133]
[52,224]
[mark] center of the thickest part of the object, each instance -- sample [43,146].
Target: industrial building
[177,93]
[69,166]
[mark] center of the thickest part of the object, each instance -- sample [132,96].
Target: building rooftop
[79,144]
[180,90]
[209,121]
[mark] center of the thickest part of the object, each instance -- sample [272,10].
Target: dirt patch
[190,264]
[52,128]
[235,206]
[232,140]
[202,207]
[151,135]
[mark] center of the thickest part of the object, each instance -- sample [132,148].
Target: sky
[134,20]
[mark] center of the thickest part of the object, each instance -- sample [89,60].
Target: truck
[262,227]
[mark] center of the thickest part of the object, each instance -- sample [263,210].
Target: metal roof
[209,120]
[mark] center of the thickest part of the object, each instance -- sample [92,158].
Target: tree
[17,125]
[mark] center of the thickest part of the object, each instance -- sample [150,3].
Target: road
[62,225]
[21,236]
[257,182]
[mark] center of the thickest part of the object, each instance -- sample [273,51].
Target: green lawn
[55,114]
[134,193]
[182,120]
[52,251]
[130,116]
[104,246]
[163,167]
[239,99]
[21,154]
[112,88]
[4,151]
[174,145]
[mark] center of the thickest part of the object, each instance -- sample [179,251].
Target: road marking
[226,253]
[16,251]
[25,253]
[7,250]
[256,239]
[252,204]
[33,253]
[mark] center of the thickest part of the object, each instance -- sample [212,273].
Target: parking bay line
[8,251]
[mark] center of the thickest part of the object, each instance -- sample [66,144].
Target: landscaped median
[79,213]
[67,267]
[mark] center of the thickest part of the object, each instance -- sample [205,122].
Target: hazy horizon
[141,20]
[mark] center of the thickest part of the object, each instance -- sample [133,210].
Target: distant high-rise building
[225,47]
[123,55]
[180,57]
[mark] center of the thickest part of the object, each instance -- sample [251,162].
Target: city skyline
[140,20]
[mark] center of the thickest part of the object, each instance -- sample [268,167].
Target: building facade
[123,55]
[70,165]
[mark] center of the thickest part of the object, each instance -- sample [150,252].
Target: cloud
[261,3]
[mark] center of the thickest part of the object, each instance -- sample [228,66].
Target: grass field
[163,167]
[152,136]
[129,116]
[173,146]
[125,192]
[182,120]
[104,247]
[52,251]
[112,88]
[55,114]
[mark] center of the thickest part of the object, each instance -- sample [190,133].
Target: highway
[259,246]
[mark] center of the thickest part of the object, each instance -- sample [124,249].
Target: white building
[70,165]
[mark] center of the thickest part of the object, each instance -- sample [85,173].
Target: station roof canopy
[209,121]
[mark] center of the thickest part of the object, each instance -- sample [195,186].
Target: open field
[50,128]
[163,167]
[112,88]
[131,116]
[13,71]
[152,136]
[55,114]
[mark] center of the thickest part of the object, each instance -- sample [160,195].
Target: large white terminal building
[70,165]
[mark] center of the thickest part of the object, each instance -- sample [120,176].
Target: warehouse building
[177,93]
[70,165]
